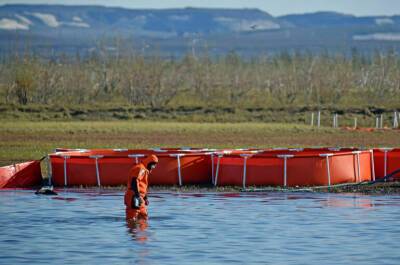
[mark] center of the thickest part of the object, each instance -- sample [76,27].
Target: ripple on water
[89,226]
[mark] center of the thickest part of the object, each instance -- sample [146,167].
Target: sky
[274,7]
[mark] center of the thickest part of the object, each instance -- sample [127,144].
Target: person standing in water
[136,192]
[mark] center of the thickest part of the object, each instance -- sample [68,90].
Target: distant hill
[151,22]
[177,31]
[333,19]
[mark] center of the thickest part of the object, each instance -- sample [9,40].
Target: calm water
[88,227]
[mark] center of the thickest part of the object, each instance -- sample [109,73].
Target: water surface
[89,227]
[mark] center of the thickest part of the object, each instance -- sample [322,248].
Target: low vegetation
[335,82]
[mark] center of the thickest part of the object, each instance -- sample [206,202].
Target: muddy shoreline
[380,188]
[384,188]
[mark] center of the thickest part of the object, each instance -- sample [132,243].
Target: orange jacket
[138,181]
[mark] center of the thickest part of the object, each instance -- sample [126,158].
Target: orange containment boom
[387,161]
[240,167]
[111,167]
[294,167]
[23,175]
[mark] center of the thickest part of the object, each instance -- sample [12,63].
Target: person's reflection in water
[137,228]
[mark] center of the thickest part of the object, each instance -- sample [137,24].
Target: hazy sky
[274,7]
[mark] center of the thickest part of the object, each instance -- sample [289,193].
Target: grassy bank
[24,140]
[109,112]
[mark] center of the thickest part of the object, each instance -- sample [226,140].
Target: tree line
[286,79]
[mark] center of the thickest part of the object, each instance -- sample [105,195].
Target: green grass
[24,140]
